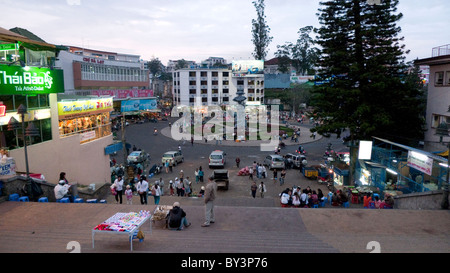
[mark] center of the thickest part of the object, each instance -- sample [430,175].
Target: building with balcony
[215,86]
[438,99]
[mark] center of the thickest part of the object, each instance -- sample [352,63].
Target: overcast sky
[197,29]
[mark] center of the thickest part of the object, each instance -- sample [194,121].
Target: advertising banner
[136,105]
[66,108]
[247,68]
[420,162]
[17,80]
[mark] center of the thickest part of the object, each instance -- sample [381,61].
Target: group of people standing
[142,189]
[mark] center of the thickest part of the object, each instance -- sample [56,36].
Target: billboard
[247,68]
[136,105]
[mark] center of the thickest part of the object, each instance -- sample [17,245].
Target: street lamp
[13,125]
[442,130]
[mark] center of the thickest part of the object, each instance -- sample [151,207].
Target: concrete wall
[430,200]
[15,184]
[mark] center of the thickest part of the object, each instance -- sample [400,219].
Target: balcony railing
[441,51]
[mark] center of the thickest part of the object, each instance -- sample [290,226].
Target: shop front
[399,169]
[89,118]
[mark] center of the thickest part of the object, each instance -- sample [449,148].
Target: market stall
[160,213]
[123,224]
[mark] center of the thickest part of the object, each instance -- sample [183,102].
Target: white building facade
[216,86]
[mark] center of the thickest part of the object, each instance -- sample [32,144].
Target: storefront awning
[443,154]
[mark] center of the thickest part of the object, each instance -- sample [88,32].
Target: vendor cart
[123,224]
[310,172]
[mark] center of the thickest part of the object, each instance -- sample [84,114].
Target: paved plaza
[243,224]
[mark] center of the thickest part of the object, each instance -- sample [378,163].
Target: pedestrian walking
[118,184]
[275,175]
[253,189]
[238,160]
[170,166]
[166,164]
[250,172]
[171,188]
[142,188]
[262,189]
[282,177]
[196,176]
[129,195]
[210,196]
[156,192]
[200,174]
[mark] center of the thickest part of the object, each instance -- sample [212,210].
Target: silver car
[274,162]
[137,157]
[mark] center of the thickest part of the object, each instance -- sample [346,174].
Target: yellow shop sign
[84,106]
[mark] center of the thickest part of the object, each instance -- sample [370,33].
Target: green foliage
[260,32]
[367,88]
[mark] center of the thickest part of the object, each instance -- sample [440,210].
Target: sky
[198,29]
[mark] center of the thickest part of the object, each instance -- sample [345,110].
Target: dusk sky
[196,30]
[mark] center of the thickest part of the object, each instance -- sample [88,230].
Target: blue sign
[136,105]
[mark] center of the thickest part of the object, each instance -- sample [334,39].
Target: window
[203,74]
[192,91]
[192,74]
[191,99]
[447,78]
[225,74]
[205,99]
[439,78]
[215,74]
[192,83]
[240,82]
[225,91]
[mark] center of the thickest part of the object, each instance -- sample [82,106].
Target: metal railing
[441,51]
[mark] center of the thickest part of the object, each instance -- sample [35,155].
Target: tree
[260,32]
[155,66]
[363,82]
[363,73]
[301,55]
[181,64]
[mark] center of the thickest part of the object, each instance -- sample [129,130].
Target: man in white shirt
[142,188]
[61,190]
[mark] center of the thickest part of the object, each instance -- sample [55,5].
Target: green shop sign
[17,80]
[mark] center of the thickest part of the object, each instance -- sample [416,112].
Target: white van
[174,156]
[217,159]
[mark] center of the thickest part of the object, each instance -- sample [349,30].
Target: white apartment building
[438,100]
[215,86]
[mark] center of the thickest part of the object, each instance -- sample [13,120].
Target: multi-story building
[90,72]
[71,135]
[219,86]
[438,100]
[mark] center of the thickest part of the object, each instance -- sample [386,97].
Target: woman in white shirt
[156,192]
[295,199]
[118,184]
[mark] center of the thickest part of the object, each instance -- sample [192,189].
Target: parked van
[274,162]
[174,156]
[217,159]
[296,159]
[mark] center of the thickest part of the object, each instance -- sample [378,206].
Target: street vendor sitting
[62,190]
[176,218]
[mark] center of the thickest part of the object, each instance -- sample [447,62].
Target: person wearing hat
[176,219]
[61,190]
[202,191]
